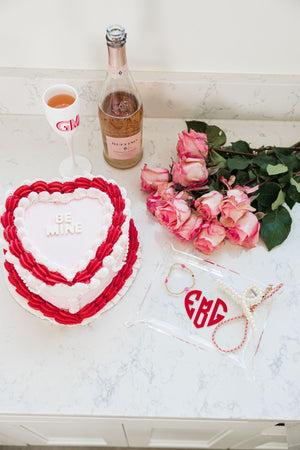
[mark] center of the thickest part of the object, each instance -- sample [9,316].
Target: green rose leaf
[295,183]
[279,200]
[252,173]
[268,193]
[214,186]
[289,201]
[276,170]
[287,151]
[263,160]
[215,136]
[294,194]
[286,157]
[196,125]
[275,227]
[225,173]
[284,178]
[242,177]
[241,146]
[216,159]
[238,162]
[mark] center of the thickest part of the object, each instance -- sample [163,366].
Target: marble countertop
[107,369]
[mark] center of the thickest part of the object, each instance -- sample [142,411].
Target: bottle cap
[116,36]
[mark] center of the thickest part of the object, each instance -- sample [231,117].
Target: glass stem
[69,140]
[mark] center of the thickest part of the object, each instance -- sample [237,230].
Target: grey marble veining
[108,369]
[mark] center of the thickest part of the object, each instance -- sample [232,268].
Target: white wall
[222,36]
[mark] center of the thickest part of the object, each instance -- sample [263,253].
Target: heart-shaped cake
[71,248]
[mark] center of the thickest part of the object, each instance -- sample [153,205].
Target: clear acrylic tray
[197,301]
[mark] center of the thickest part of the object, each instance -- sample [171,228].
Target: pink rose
[185,196]
[165,192]
[208,205]
[234,206]
[190,170]
[245,232]
[190,228]
[173,214]
[151,178]
[192,144]
[154,201]
[211,237]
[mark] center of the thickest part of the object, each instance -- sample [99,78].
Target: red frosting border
[28,261]
[64,317]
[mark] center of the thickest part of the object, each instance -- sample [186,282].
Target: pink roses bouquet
[184,200]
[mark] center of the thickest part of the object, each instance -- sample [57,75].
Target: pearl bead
[244,300]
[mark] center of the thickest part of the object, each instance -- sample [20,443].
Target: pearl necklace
[249,297]
[249,307]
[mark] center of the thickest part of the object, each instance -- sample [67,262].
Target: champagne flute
[61,105]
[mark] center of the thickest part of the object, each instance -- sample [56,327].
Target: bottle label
[124,148]
[118,72]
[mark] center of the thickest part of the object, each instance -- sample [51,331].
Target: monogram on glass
[120,106]
[61,105]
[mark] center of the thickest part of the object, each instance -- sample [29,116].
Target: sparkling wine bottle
[120,106]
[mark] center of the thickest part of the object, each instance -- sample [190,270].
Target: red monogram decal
[198,311]
[68,125]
